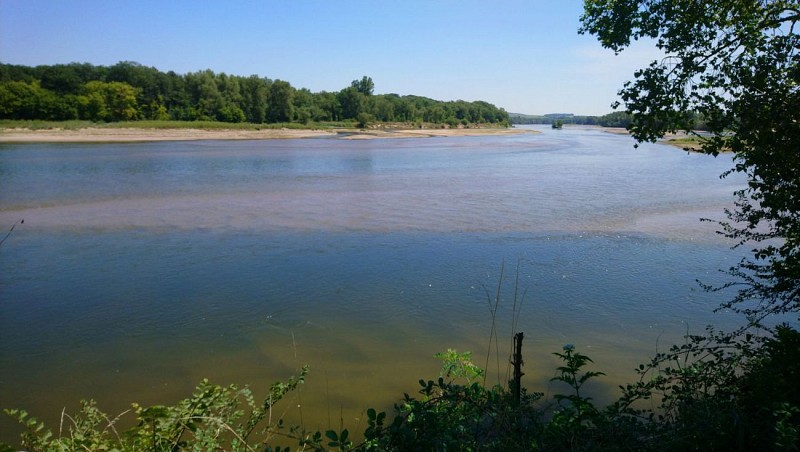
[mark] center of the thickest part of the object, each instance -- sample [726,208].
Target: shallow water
[142,268]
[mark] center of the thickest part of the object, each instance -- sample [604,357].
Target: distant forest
[129,91]
[614,119]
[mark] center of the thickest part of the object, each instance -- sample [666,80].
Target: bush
[214,418]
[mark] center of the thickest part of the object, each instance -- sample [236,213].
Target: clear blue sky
[524,56]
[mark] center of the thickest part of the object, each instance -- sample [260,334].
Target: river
[142,268]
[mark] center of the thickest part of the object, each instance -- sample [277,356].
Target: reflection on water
[143,268]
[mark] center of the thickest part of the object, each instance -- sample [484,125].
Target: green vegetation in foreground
[712,393]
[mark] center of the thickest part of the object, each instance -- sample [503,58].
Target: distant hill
[615,119]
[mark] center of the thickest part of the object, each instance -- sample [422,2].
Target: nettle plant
[574,408]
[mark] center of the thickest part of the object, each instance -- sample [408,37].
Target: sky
[524,56]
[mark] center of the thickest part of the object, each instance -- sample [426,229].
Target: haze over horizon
[525,59]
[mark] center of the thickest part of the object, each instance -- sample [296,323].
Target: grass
[46,125]
[216,125]
[151,124]
[209,125]
[692,143]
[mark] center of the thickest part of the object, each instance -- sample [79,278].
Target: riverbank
[680,140]
[100,134]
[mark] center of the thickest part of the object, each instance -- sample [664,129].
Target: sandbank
[366,134]
[100,134]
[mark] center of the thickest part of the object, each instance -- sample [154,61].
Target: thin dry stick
[299,398]
[270,431]
[112,422]
[63,414]
[269,416]
[223,425]
[494,321]
[283,414]
[652,400]
[493,331]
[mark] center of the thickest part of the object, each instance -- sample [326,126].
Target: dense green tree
[254,98]
[280,108]
[406,111]
[364,86]
[351,101]
[383,109]
[206,99]
[303,105]
[620,119]
[57,108]
[147,80]
[93,106]
[23,100]
[364,119]
[230,109]
[435,114]
[155,110]
[17,73]
[735,63]
[176,96]
[110,101]
[326,107]
[18,100]
[69,78]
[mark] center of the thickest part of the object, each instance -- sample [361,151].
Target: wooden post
[516,361]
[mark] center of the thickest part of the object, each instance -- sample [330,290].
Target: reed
[516,309]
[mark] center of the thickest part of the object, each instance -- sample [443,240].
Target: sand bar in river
[100,134]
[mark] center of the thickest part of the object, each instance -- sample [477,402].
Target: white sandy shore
[89,135]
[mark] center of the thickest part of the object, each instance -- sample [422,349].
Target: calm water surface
[142,268]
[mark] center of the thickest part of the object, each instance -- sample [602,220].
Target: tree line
[623,119]
[614,119]
[129,91]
